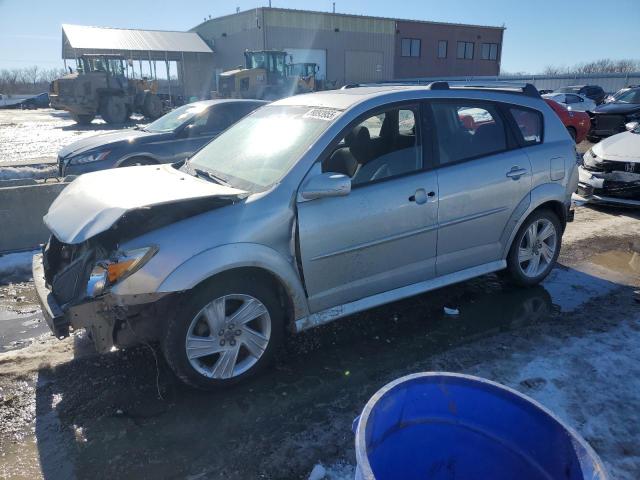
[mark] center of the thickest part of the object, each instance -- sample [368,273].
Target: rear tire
[113,110]
[227,330]
[82,119]
[535,248]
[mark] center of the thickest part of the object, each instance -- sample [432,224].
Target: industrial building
[355,48]
[181,61]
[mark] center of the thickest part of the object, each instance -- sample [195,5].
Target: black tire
[137,161]
[82,119]
[114,110]
[514,268]
[572,133]
[152,106]
[177,328]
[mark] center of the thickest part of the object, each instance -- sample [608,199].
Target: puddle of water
[570,288]
[18,329]
[625,262]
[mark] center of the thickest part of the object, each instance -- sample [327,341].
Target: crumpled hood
[104,140]
[617,108]
[624,147]
[94,202]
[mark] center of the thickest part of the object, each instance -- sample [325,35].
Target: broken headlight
[107,272]
[90,158]
[591,160]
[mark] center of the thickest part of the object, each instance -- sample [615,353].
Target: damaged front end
[73,281]
[606,181]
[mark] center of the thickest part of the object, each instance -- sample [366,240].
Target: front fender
[238,255]
[547,192]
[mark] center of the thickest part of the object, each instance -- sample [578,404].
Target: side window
[382,146]
[467,129]
[529,123]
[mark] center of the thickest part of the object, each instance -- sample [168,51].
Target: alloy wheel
[537,248]
[228,336]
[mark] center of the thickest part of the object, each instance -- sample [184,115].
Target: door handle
[421,196]
[516,172]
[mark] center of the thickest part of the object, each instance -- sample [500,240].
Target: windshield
[259,150]
[176,118]
[630,96]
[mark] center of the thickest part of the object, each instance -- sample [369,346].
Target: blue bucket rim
[364,466]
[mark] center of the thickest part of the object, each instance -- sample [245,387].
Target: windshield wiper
[211,176]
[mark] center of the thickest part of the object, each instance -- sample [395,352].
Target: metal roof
[79,39]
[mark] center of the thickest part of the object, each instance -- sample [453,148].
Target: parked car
[170,138]
[310,209]
[613,97]
[573,101]
[37,101]
[576,123]
[611,118]
[594,92]
[610,170]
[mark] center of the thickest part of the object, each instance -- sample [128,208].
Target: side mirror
[326,185]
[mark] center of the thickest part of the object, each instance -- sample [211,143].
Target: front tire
[82,119]
[114,110]
[227,331]
[535,249]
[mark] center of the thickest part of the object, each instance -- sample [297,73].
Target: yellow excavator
[267,76]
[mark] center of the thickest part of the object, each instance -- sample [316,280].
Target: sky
[539,33]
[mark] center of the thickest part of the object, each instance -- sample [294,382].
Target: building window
[442,49]
[410,47]
[465,50]
[489,51]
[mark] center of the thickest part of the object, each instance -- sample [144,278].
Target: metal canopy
[146,44]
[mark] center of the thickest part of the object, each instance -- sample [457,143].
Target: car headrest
[341,161]
[359,142]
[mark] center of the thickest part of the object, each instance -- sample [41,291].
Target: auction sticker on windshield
[327,114]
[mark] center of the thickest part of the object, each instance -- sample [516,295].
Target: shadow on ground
[124,414]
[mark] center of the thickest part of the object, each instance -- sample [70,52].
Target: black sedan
[171,138]
[611,118]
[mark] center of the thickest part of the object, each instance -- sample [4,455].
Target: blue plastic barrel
[448,426]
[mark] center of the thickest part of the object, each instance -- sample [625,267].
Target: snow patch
[337,471]
[37,171]
[16,267]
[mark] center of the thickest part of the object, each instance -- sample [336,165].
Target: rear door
[482,178]
[382,235]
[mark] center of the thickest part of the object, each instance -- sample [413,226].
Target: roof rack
[508,87]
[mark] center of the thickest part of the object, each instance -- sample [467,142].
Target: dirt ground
[572,343]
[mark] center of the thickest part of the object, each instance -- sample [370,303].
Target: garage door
[310,55]
[361,66]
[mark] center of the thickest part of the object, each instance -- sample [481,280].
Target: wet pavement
[69,413]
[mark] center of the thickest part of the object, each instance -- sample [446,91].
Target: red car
[577,123]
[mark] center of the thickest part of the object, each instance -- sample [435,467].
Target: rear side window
[529,124]
[467,130]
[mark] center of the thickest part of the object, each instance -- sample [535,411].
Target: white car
[573,101]
[610,172]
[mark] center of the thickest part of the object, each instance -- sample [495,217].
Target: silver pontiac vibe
[309,209]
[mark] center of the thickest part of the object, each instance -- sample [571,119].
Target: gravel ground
[572,343]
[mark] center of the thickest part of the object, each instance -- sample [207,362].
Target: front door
[383,234]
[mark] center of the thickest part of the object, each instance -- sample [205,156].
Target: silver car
[308,210]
